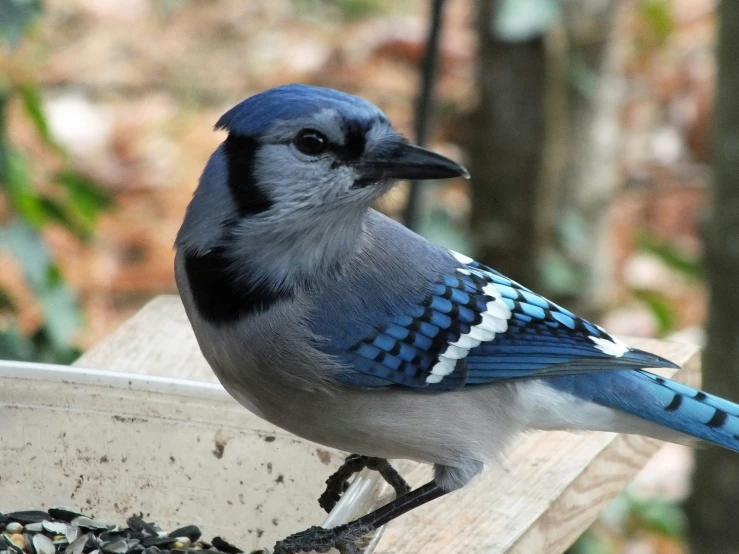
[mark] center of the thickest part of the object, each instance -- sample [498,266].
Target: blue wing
[476,327]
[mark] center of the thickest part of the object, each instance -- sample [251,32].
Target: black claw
[319,539]
[337,484]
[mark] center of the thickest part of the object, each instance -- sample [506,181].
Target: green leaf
[19,187]
[658,16]
[55,211]
[659,516]
[522,20]
[15,346]
[61,312]
[359,9]
[34,108]
[589,543]
[6,302]
[25,244]
[15,17]
[4,100]
[87,198]
[660,307]
[46,350]
[687,266]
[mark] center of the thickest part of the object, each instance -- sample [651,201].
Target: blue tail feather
[659,400]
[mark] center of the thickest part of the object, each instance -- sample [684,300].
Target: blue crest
[256,114]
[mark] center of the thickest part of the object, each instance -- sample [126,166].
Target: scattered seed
[12,547]
[137,523]
[63,513]
[66,531]
[84,522]
[28,516]
[72,533]
[55,527]
[43,544]
[78,545]
[14,527]
[226,547]
[161,542]
[29,543]
[192,532]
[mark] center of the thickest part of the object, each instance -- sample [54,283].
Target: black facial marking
[249,198]
[218,297]
[355,140]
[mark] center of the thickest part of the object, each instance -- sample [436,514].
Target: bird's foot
[318,539]
[337,484]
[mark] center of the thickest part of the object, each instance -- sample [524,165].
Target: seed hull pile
[63,531]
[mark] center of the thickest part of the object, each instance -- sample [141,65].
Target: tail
[659,400]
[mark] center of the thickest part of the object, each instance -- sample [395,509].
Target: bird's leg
[342,537]
[337,484]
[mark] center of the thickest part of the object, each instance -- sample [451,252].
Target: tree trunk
[506,149]
[543,152]
[713,507]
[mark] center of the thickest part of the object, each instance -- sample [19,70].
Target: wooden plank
[158,340]
[548,491]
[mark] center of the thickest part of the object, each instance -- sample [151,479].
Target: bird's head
[296,147]
[300,164]
[302,148]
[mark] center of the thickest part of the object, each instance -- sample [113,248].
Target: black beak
[406,161]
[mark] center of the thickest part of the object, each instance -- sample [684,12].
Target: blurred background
[585,125]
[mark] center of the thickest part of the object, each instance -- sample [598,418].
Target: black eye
[311,142]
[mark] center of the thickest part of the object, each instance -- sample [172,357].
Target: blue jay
[336,323]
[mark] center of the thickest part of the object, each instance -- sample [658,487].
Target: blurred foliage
[633,519]
[659,303]
[660,307]
[34,198]
[15,17]
[658,23]
[688,266]
[349,10]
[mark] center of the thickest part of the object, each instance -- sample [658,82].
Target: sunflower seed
[43,544]
[55,527]
[28,516]
[14,527]
[192,532]
[161,542]
[138,524]
[225,547]
[12,547]
[77,546]
[117,547]
[84,522]
[72,533]
[63,513]
[35,527]
[29,543]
